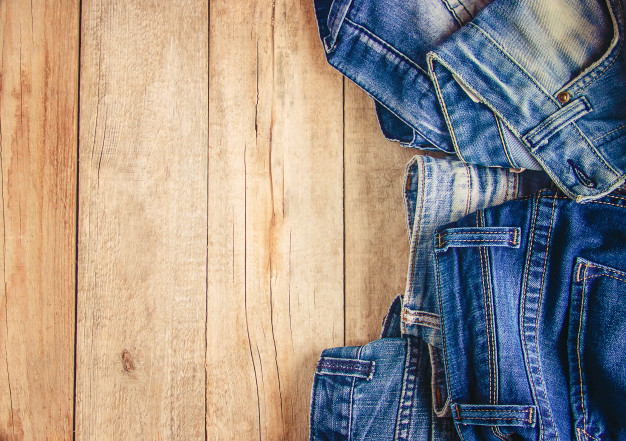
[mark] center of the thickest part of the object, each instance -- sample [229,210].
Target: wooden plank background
[194,205]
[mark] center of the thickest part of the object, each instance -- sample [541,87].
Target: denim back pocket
[596,353]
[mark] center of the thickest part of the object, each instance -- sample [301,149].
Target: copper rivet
[563,97]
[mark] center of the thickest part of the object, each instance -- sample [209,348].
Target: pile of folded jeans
[513,322]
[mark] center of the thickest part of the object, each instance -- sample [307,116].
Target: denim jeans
[533,316]
[512,83]
[394,388]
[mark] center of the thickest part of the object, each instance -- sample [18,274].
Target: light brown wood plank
[142,224]
[275,296]
[38,139]
[377,247]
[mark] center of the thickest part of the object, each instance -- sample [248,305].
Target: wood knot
[127,361]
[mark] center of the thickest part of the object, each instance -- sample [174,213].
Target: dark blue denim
[533,313]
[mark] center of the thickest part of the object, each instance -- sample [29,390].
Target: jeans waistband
[439,191]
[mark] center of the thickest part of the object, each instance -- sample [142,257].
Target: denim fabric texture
[379,391]
[533,305]
[395,388]
[529,84]
[436,192]
[512,325]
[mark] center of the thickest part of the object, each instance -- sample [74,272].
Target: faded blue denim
[530,84]
[394,388]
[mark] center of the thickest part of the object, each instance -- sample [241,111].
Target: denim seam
[541,285]
[522,315]
[479,230]
[421,318]
[607,203]
[368,34]
[421,313]
[550,126]
[494,241]
[593,148]
[417,225]
[468,198]
[484,268]
[351,407]
[506,54]
[503,51]
[407,395]
[579,84]
[337,24]
[465,7]
[453,13]
[608,133]
[498,433]
[313,411]
[465,417]
[346,365]
[578,336]
[443,337]
[388,46]
[605,275]
[585,435]
[446,115]
[416,322]
[504,143]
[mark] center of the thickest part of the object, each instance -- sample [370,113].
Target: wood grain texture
[38,140]
[275,293]
[141,308]
[377,246]
[218,252]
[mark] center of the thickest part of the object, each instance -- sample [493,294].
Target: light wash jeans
[530,84]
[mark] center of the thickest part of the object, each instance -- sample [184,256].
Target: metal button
[563,97]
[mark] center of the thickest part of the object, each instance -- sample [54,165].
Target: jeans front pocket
[595,344]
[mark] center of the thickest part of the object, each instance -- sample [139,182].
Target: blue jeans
[394,388]
[512,83]
[533,317]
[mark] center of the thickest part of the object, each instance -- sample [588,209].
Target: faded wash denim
[530,84]
[395,388]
